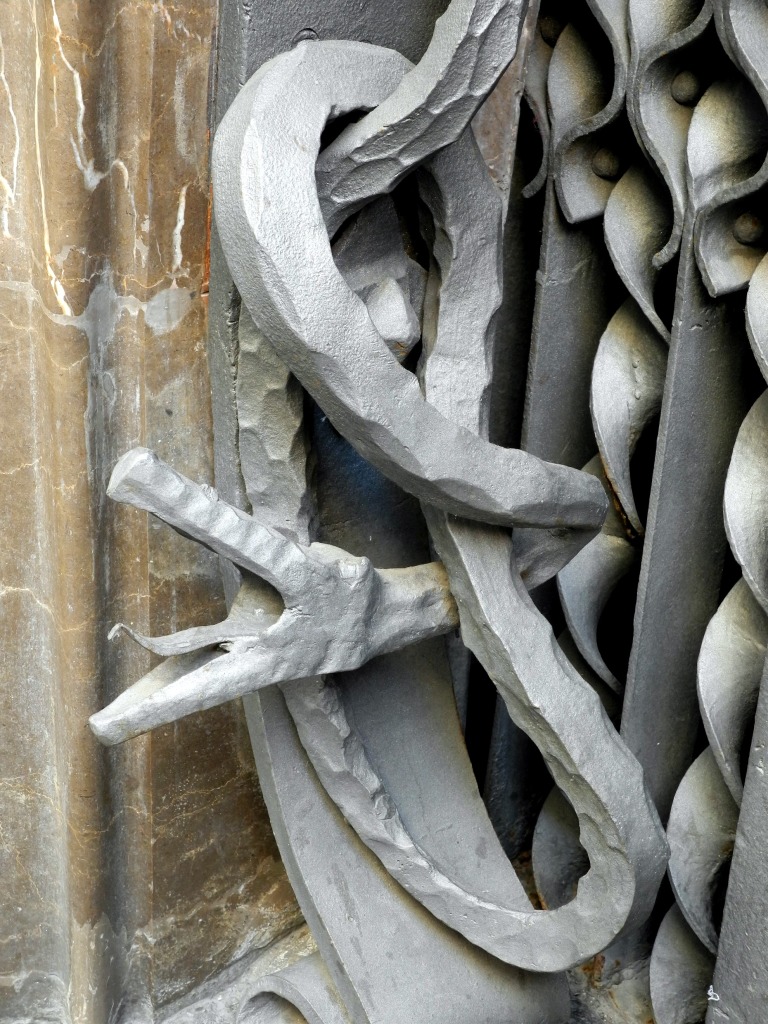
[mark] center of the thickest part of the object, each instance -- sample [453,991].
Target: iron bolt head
[606,164]
[685,88]
[748,229]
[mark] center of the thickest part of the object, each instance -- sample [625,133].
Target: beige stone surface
[161,847]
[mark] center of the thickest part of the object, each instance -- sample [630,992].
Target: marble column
[161,846]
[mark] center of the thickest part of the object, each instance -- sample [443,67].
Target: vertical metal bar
[704,403]
[740,983]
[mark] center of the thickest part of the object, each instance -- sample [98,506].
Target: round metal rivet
[748,229]
[685,88]
[606,164]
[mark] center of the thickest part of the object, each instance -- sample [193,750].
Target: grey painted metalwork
[339,610]
[681,972]
[627,386]
[685,543]
[729,672]
[353,395]
[701,830]
[585,586]
[381,410]
[497,927]
[740,972]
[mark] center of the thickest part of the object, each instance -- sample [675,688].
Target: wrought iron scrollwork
[384,311]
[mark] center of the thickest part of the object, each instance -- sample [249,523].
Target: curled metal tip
[729,672]
[681,971]
[626,392]
[701,831]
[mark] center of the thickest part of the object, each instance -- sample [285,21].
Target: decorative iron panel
[500,646]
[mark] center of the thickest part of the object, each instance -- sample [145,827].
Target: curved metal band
[265,197]
[280,258]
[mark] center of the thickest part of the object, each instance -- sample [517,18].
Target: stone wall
[162,844]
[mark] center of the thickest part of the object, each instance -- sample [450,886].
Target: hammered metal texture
[590,561]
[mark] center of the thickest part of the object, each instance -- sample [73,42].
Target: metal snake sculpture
[346,683]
